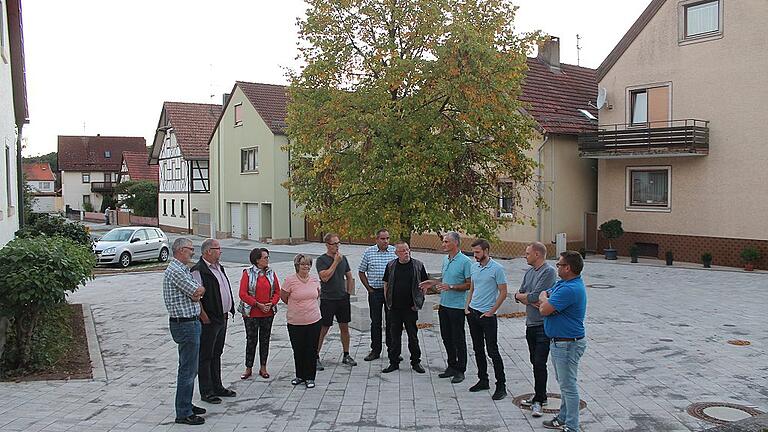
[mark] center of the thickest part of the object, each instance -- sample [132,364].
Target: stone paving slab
[657,343]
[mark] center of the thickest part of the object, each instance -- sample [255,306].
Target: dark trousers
[484,333]
[257,331]
[379,314]
[304,340]
[538,347]
[397,319]
[454,338]
[212,337]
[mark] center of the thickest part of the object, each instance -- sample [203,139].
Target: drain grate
[601,286]
[553,406]
[721,412]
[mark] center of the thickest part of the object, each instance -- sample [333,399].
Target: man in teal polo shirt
[564,308]
[487,292]
[457,270]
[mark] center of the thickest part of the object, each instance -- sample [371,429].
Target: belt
[182,319]
[557,339]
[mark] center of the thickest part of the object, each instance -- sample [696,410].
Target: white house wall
[9,219]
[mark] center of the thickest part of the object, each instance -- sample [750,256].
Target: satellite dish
[602,97]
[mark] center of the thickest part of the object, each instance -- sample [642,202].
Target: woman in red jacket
[259,294]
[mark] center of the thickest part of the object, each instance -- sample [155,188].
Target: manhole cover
[739,342]
[721,412]
[553,403]
[601,286]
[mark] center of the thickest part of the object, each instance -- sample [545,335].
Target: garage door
[236,228]
[253,221]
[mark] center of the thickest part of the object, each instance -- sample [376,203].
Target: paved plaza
[657,342]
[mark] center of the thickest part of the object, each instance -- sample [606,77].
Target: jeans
[212,339]
[455,340]
[484,332]
[187,335]
[304,340]
[538,348]
[398,318]
[376,304]
[257,332]
[565,358]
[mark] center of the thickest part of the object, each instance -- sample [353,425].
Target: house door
[236,228]
[253,221]
[590,231]
[266,221]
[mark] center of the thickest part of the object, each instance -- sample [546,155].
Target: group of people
[200,300]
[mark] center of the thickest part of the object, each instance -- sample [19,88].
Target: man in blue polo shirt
[564,308]
[487,291]
[457,270]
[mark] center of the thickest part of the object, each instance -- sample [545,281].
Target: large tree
[406,115]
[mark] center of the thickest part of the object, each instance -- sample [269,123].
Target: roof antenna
[578,50]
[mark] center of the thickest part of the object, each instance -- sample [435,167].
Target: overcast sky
[105,67]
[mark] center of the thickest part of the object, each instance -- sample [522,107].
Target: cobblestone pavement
[656,343]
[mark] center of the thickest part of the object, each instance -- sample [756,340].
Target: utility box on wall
[561,244]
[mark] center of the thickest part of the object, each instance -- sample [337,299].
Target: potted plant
[670,256]
[634,252]
[706,259]
[611,230]
[749,255]
[583,253]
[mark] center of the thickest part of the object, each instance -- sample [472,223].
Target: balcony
[102,187]
[686,137]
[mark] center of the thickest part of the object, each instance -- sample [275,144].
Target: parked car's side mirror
[135,239]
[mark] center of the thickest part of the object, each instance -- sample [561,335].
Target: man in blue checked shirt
[371,272]
[182,299]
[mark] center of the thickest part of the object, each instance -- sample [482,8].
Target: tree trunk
[25,328]
[4,323]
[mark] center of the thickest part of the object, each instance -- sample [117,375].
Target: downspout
[290,216]
[189,196]
[540,186]
[218,182]
[19,176]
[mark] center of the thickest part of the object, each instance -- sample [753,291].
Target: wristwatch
[450,287]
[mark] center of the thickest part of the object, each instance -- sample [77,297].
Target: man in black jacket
[404,297]
[215,304]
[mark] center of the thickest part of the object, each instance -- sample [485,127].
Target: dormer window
[107,154]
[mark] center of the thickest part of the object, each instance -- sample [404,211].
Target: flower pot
[669,261]
[707,264]
[633,259]
[610,254]
[749,266]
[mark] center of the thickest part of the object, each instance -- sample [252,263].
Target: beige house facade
[681,149]
[248,167]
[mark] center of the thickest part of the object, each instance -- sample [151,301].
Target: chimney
[224,99]
[549,53]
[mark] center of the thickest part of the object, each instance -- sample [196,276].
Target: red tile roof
[139,167]
[193,125]
[554,98]
[88,153]
[270,102]
[38,171]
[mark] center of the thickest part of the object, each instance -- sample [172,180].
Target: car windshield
[118,235]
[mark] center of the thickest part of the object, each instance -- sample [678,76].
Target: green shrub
[53,225]
[611,230]
[52,339]
[36,274]
[88,207]
[750,255]
[634,250]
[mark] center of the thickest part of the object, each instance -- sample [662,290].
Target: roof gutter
[540,187]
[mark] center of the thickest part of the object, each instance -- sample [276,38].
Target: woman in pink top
[301,292]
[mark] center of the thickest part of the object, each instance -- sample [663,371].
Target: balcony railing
[103,186]
[686,137]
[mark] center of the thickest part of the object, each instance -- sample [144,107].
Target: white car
[127,244]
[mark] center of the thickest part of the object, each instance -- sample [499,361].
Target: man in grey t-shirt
[336,285]
[540,277]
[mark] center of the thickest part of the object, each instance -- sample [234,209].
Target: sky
[106,66]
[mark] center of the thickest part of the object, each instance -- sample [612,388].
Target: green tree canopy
[406,115]
[139,196]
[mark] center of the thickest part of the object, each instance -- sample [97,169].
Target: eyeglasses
[561,265]
[383,238]
[306,264]
[333,244]
[187,247]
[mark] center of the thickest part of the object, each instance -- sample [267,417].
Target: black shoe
[500,393]
[480,386]
[390,368]
[373,355]
[197,410]
[192,420]
[418,368]
[457,378]
[211,399]
[449,372]
[226,393]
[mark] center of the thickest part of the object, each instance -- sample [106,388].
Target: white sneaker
[536,409]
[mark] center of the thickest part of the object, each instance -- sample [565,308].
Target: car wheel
[163,255]
[125,259]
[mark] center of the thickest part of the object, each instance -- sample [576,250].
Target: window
[507,199]
[702,18]
[648,188]
[200,176]
[152,234]
[86,177]
[86,199]
[45,185]
[173,208]
[249,160]
[181,208]
[3,55]
[107,154]
[168,170]
[238,114]
[639,107]
[165,207]
[8,163]
[141,235]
